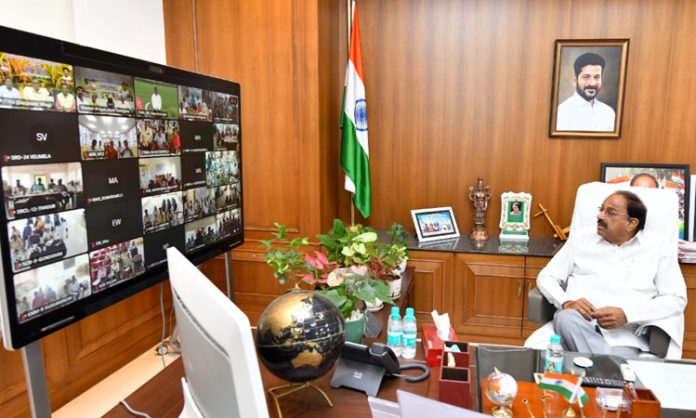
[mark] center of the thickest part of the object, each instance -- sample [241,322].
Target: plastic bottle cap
[409,311]
[395,310]
[555,339]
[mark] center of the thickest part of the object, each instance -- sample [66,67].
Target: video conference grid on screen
[102,171]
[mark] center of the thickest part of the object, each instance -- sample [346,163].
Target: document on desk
[414,406]
[674,384]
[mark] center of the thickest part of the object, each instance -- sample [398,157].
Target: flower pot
[374,307]
[355,329]
[395,288]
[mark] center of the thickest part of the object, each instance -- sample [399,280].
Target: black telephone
[362,367]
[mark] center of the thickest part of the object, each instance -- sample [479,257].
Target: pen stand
[455,380]
[644,403]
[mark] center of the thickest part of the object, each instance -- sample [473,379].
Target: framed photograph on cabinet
[435,224]
[514,216]
[675,177]
[589,78]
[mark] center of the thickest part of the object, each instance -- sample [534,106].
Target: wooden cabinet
[689,348]
[433,283]
[489,291]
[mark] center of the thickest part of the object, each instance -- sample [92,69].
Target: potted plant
[342,274]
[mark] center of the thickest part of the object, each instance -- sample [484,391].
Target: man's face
[35,84]
[589,82]
[8,83]
[613,222]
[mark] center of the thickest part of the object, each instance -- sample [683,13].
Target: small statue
[479,194]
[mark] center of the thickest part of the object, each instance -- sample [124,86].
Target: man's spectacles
[611,212]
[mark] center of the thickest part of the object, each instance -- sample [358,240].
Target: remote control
[593,381]
[627,372]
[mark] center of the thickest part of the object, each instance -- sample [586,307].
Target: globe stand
[501,411]
[284,390]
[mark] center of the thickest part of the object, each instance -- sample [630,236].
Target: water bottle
[394,331]
[410,331]
[554,355]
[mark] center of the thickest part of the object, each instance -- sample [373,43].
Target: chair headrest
[663,208]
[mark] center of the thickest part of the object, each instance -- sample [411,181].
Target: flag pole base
[569,412]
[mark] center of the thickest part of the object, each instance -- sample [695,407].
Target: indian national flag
[565,384]
[354,149]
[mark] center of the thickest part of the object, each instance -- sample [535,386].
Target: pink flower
[308,278]
[334,279]
[359,270]
[321,260]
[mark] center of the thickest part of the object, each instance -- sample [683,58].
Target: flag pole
[349,25]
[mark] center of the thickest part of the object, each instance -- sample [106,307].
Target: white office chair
[664,336]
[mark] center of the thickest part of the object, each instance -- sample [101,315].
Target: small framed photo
[514,215]
[589,78]
[434,224]
[675,177]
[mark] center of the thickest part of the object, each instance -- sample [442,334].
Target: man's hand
[583,306]
[610,317]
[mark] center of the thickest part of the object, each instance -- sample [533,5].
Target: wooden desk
[162,395]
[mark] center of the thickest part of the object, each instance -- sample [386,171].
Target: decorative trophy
[479,194]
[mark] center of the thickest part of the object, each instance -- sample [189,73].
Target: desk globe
[299,337]
[501,390]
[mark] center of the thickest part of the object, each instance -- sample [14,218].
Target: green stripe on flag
[356,165]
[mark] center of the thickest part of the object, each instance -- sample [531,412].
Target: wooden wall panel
[457,89]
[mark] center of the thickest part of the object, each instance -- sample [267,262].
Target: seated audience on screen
[8,90]
[36,92]
[617,278]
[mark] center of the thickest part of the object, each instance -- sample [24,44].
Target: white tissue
[442,322]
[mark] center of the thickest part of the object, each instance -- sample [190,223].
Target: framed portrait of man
[674,177]
[589,78]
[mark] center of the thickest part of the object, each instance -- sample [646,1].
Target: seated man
[618,278]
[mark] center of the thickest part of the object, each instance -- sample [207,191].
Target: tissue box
[432,344]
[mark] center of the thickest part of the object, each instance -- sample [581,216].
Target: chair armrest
[538,308]
[658,341]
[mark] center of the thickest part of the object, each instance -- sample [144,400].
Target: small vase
[355,329]
[395,288]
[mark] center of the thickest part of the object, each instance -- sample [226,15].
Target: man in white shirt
[156,100]
[617,278]
[8,90]
[583,111]
[35,92]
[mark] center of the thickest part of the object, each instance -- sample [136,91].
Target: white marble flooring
[103,396]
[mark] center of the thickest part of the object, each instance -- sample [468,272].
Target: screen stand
[35,376]
[228,276]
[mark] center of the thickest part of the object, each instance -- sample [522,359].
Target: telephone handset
[362,367]
[379,355]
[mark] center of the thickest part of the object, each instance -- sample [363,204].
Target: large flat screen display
[106,161]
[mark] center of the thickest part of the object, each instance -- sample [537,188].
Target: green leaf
[366,237]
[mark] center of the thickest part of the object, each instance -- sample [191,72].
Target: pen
[529,408]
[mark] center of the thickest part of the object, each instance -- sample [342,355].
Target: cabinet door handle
[519,290]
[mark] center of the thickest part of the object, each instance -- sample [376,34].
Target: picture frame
[588,71]
[676,177]
[515,211]
[434,224]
